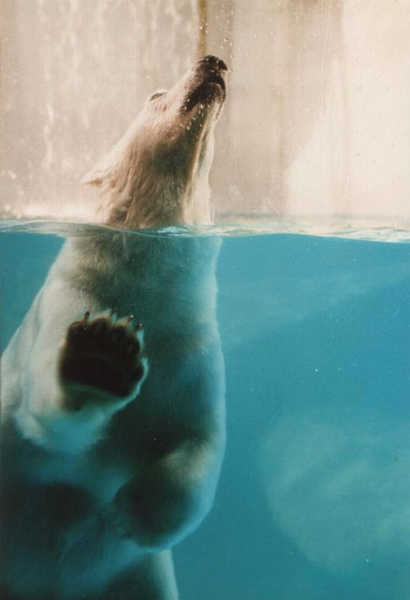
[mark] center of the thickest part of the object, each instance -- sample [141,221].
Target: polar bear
[112,391]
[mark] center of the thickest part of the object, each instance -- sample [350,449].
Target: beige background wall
[317,121]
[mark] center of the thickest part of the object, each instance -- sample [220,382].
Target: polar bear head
[157,174]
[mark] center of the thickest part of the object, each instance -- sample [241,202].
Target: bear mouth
[212,88]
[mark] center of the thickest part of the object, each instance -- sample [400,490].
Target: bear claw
[103,353]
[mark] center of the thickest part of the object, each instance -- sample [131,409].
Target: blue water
[314,497]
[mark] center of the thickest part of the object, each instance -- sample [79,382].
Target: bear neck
[139,190]
[164,202]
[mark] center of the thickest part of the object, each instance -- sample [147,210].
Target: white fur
[93,498]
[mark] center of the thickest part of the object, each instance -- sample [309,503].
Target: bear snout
[213,62]
[207,84]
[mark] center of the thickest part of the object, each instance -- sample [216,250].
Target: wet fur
[98,483]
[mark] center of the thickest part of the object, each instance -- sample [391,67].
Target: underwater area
[314,496]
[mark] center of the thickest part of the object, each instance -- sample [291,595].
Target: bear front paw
[104,354]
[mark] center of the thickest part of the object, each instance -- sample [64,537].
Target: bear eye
[157,94]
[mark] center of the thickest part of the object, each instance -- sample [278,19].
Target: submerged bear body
[113,386]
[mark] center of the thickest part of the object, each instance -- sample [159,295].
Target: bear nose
[213,62]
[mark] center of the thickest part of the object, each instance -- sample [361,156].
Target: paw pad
[104,353]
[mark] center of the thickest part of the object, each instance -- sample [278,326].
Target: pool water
[314,496]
